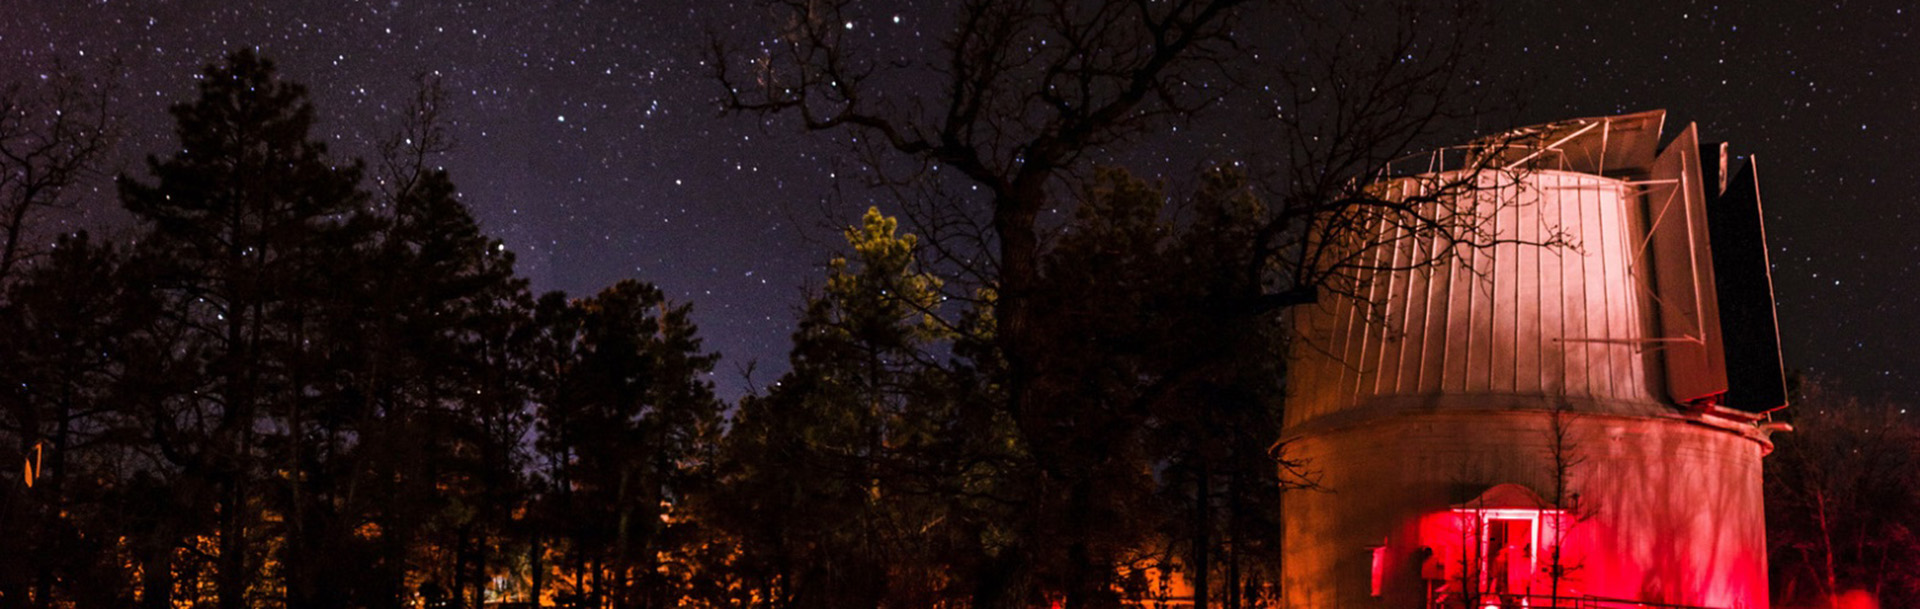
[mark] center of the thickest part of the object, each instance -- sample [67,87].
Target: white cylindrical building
[1432,403]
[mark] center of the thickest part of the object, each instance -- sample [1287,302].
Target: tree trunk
[1013,223]
[390,592]
[1002,581]
[538,569]
[299,556]
[459,595]
[583,595]
[623,521]
[156,577]
[53,476]
[1087,577]
[1202,537]
[1828,578]
[1004,585]
[478,576]
[231,582]
[1235,478]
[243,324]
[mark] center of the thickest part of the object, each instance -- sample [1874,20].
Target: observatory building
[1527,426]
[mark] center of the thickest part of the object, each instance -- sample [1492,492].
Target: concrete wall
[1673,506]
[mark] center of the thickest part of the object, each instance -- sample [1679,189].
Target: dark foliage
[288,390]
[1841,493]
[1131,349]
[627,425]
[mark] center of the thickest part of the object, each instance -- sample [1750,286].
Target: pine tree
[628,424]
[63,327]
[436,387]
[825,473]
[246,223]
[1166,393]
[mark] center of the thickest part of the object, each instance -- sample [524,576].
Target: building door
[1508,555]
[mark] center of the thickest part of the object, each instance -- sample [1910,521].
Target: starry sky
[589,139]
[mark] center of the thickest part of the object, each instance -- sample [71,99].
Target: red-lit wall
[1672,507]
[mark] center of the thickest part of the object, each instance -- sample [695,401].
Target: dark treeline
[311,381]
[307,381]
[303,381]
[1843,502]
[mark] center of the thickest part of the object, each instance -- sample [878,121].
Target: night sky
[590,142]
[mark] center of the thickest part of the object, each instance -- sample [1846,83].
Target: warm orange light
[33,465]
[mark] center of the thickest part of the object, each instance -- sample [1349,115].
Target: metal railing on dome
[1453,158]
[1452,600]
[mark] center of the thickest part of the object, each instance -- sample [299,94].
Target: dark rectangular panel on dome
[1743,277]
[1683,273]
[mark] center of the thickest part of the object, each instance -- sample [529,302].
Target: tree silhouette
[243,224]
[628,426]
[1000,127]
[836,480]
[65,327]
[1840,491]
[51,136]
[435,373]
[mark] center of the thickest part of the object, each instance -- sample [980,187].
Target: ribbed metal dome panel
[1507,320]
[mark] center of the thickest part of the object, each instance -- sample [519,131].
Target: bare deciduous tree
[1023,97]
[1841,491]
[1003,123]
[1564,457]
[51,135]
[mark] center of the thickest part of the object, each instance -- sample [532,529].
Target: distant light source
[33,464]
